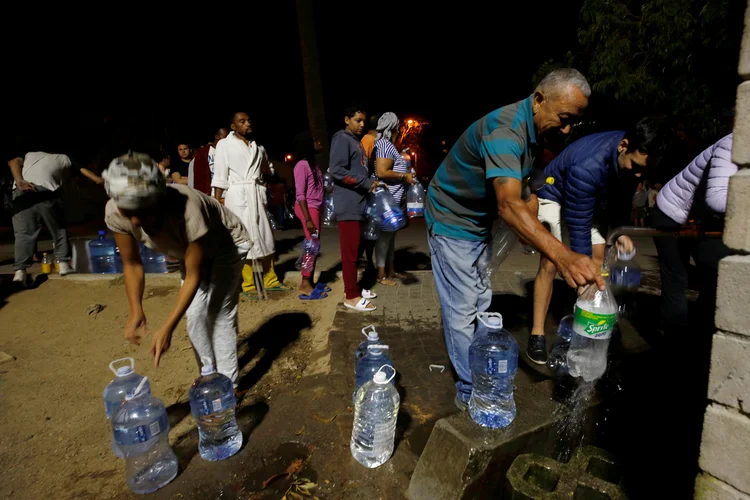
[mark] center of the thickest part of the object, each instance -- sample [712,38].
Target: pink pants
[315,216]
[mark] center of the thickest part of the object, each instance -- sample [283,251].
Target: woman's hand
[160,343]
[310,226]
[409,179]
[135,328]
[375,186]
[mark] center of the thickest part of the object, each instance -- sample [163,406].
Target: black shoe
[537,349]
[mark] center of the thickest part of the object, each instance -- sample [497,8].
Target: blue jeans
[462,295]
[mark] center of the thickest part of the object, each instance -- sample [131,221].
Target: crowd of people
[209,209]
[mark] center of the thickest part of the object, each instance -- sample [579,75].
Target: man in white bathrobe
[239,165]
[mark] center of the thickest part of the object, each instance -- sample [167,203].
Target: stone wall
[725,447]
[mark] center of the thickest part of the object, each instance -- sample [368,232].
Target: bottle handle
[205,360]
[112,364]
[392,376]
[481,319]
[365,329]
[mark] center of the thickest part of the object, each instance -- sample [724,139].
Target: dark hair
[354,108]
[180,143]
[649,136]
[231,118]
[304,149]
[372,122]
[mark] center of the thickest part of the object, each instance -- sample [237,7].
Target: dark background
[88,83]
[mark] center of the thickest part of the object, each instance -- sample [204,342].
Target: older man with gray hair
[496,155]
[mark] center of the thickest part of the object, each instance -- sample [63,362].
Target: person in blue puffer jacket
[578,183]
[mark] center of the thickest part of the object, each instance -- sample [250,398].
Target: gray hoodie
[348,167]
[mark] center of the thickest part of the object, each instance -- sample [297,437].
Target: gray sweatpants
[27,225]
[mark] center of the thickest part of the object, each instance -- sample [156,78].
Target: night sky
[167,78]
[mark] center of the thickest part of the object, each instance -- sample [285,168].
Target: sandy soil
[55,439]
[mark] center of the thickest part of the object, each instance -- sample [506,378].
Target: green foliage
[677,57]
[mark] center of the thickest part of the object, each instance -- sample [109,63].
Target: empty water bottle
[310,250]
[503,241]
[557,361]
[372,339]
[377,356]
[493,359]
[375,415]
[390,215]
[372,225]
[625,279]
[329,215]
[415,201]
[212,403]
[595,317]
[141,430]
[153,261]
[327,182]
[271,220]
[124,383]
[103,255]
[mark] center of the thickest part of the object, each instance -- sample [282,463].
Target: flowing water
[570,418]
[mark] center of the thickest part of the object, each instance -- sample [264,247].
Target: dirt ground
[55,439]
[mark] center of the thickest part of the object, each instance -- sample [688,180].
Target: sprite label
[594,325]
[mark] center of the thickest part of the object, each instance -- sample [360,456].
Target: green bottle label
[594,325]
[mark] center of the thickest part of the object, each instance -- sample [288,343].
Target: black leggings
[674,262]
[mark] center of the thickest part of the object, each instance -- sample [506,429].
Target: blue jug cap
[493,321]
[101,232]
[208,366]
[124,371]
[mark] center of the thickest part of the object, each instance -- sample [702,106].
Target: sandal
[280,288]
[387,282]
[316,294]
[251,295]
[363,305]
[368,294]
[323,286]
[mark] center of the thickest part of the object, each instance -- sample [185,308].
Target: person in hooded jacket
[578,183]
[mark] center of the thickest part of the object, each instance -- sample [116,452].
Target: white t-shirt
[46,170]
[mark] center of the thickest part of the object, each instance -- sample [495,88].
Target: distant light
[288,157]
[409,122]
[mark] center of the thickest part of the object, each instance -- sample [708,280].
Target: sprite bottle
[595,316]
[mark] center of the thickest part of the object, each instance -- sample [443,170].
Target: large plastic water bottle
[310,250]
[557,361]
[124,383]
[415,201]
[595,317]
[493,359]
[103,255]
[503,241]
[212,403]
[372,338]
[141,431]
[391,216]
[377,356]
[372,225]
[329,215]
[153,261]
[375,415]
[625,279]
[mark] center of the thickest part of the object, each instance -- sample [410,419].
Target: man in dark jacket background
[578,184]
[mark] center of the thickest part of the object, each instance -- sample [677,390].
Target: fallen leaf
[273,478]
[296,496]
[295,467]
[301,430]
[322,419]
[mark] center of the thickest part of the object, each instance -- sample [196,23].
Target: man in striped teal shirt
[483,175]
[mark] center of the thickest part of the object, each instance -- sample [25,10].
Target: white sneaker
[20,276]
[65,268]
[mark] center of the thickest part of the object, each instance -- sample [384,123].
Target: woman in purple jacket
[697,193]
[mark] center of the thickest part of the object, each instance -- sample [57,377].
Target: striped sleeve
[385,149]
[501,152]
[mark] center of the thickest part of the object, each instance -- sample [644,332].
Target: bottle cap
[493,321]
[623,255]
[101,232]
[549,180]
[124,371]
[208,366]
[381,378]
[371,334]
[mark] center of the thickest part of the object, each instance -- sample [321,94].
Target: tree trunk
[311,69]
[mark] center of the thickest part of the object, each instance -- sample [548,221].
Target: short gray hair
[561,78]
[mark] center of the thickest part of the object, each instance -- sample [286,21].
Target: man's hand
[625,244]
[25,186]
[310,227]
[135,329]
[160,343]
[579,270]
